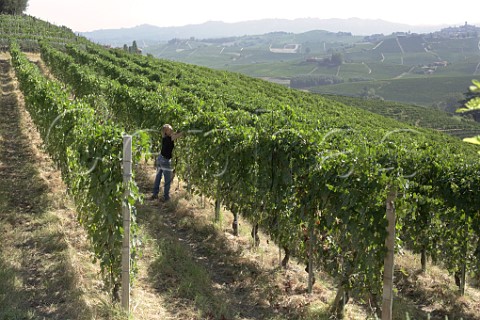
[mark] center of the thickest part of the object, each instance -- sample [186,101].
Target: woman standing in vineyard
[164,162]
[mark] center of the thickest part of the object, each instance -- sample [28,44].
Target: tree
[370,94]
[13,6]
[334,61]
[134,47]
[337,58]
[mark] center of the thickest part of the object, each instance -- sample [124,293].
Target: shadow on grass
[440,294]
[36,280]
[195,265]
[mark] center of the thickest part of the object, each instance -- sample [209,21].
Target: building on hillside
[465,31]
[288,48]
[440,63]
[374,37]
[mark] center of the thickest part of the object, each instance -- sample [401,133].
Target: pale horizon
[89,15]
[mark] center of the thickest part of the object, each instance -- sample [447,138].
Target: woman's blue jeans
[164,167]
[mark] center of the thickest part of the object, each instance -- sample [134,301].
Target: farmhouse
[440,63]
[288,48]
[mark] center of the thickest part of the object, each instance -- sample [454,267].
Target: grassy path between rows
[37,276]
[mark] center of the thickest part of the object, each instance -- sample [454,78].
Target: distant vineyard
[417,116]
[425,63]
[427,90]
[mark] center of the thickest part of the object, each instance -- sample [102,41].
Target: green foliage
[305,81]
[289,147]
[13,6]
[474,102]
[473,106]
[288,160]
[419,91]
[27,30]
[88,150]
[416,115]
[337,58]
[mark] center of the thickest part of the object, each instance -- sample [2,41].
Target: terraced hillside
[417,116]
[433,67]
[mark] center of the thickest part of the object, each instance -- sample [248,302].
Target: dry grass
[433,293]
[45,262]
[201,267]
[234,269]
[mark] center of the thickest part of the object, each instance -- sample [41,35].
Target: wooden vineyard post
[218,205]
[235,224]
[423,259]
[311,243]
[188,177]
[389,257]
[463,279]
[279,255]
[127,176]
[279,249]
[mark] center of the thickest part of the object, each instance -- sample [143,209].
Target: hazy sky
[88,15]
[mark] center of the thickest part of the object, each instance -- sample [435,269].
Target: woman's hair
[166,126]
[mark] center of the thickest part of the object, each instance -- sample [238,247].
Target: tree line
[13,6]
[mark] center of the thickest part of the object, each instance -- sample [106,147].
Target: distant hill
[430,69]
[214,29]
[427,67]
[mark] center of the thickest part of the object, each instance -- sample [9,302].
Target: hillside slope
[246,282]
[415,115]
[220,276]
[282,159]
